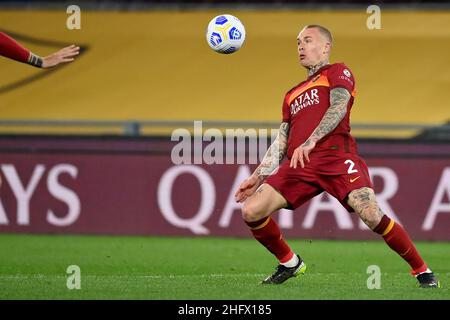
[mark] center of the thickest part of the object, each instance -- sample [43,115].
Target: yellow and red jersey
[305,105]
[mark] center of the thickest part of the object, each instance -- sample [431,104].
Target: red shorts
[337,174]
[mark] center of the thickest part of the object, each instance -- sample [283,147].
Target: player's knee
[371,216]
[251,211]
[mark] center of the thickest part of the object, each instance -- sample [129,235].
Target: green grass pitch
[34,267]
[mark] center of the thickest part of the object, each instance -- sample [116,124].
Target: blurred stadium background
[85,148]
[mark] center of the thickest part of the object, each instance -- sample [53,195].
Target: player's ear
[327,48]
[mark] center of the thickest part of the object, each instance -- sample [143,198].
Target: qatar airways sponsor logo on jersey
[306,99]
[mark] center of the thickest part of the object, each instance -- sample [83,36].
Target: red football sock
[267,232]
[399,241]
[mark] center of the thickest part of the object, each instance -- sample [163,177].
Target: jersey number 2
[350,168]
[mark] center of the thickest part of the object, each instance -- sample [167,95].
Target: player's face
[312,47]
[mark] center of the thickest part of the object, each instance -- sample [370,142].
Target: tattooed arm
[339,98]
[274,154]
[271,160]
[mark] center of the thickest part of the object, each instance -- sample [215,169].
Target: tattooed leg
[395,236]
[364,203]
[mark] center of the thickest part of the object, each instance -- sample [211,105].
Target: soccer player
[10,48]
[321,156]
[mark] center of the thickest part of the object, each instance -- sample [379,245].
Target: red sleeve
[286,112]
[10,48]
[339,75]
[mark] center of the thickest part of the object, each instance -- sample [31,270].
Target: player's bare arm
[64,55]
[274,154]
[271,160]
[339,98]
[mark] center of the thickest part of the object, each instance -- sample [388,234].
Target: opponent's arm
[339,98]
[10,48]
[64,55]
[271,160]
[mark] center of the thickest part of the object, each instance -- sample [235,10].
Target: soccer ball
[225,34]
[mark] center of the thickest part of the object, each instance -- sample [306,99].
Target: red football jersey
[305,105]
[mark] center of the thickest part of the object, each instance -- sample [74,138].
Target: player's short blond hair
[324,31]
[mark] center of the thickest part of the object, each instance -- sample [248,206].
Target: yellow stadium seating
[157,65]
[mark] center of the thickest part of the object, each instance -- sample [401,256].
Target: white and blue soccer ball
[225,34]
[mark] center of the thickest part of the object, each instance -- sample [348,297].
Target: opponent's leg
[364,203]
[256,214]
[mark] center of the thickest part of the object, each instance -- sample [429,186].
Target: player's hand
[301,154]
[247,188]
[64,55]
